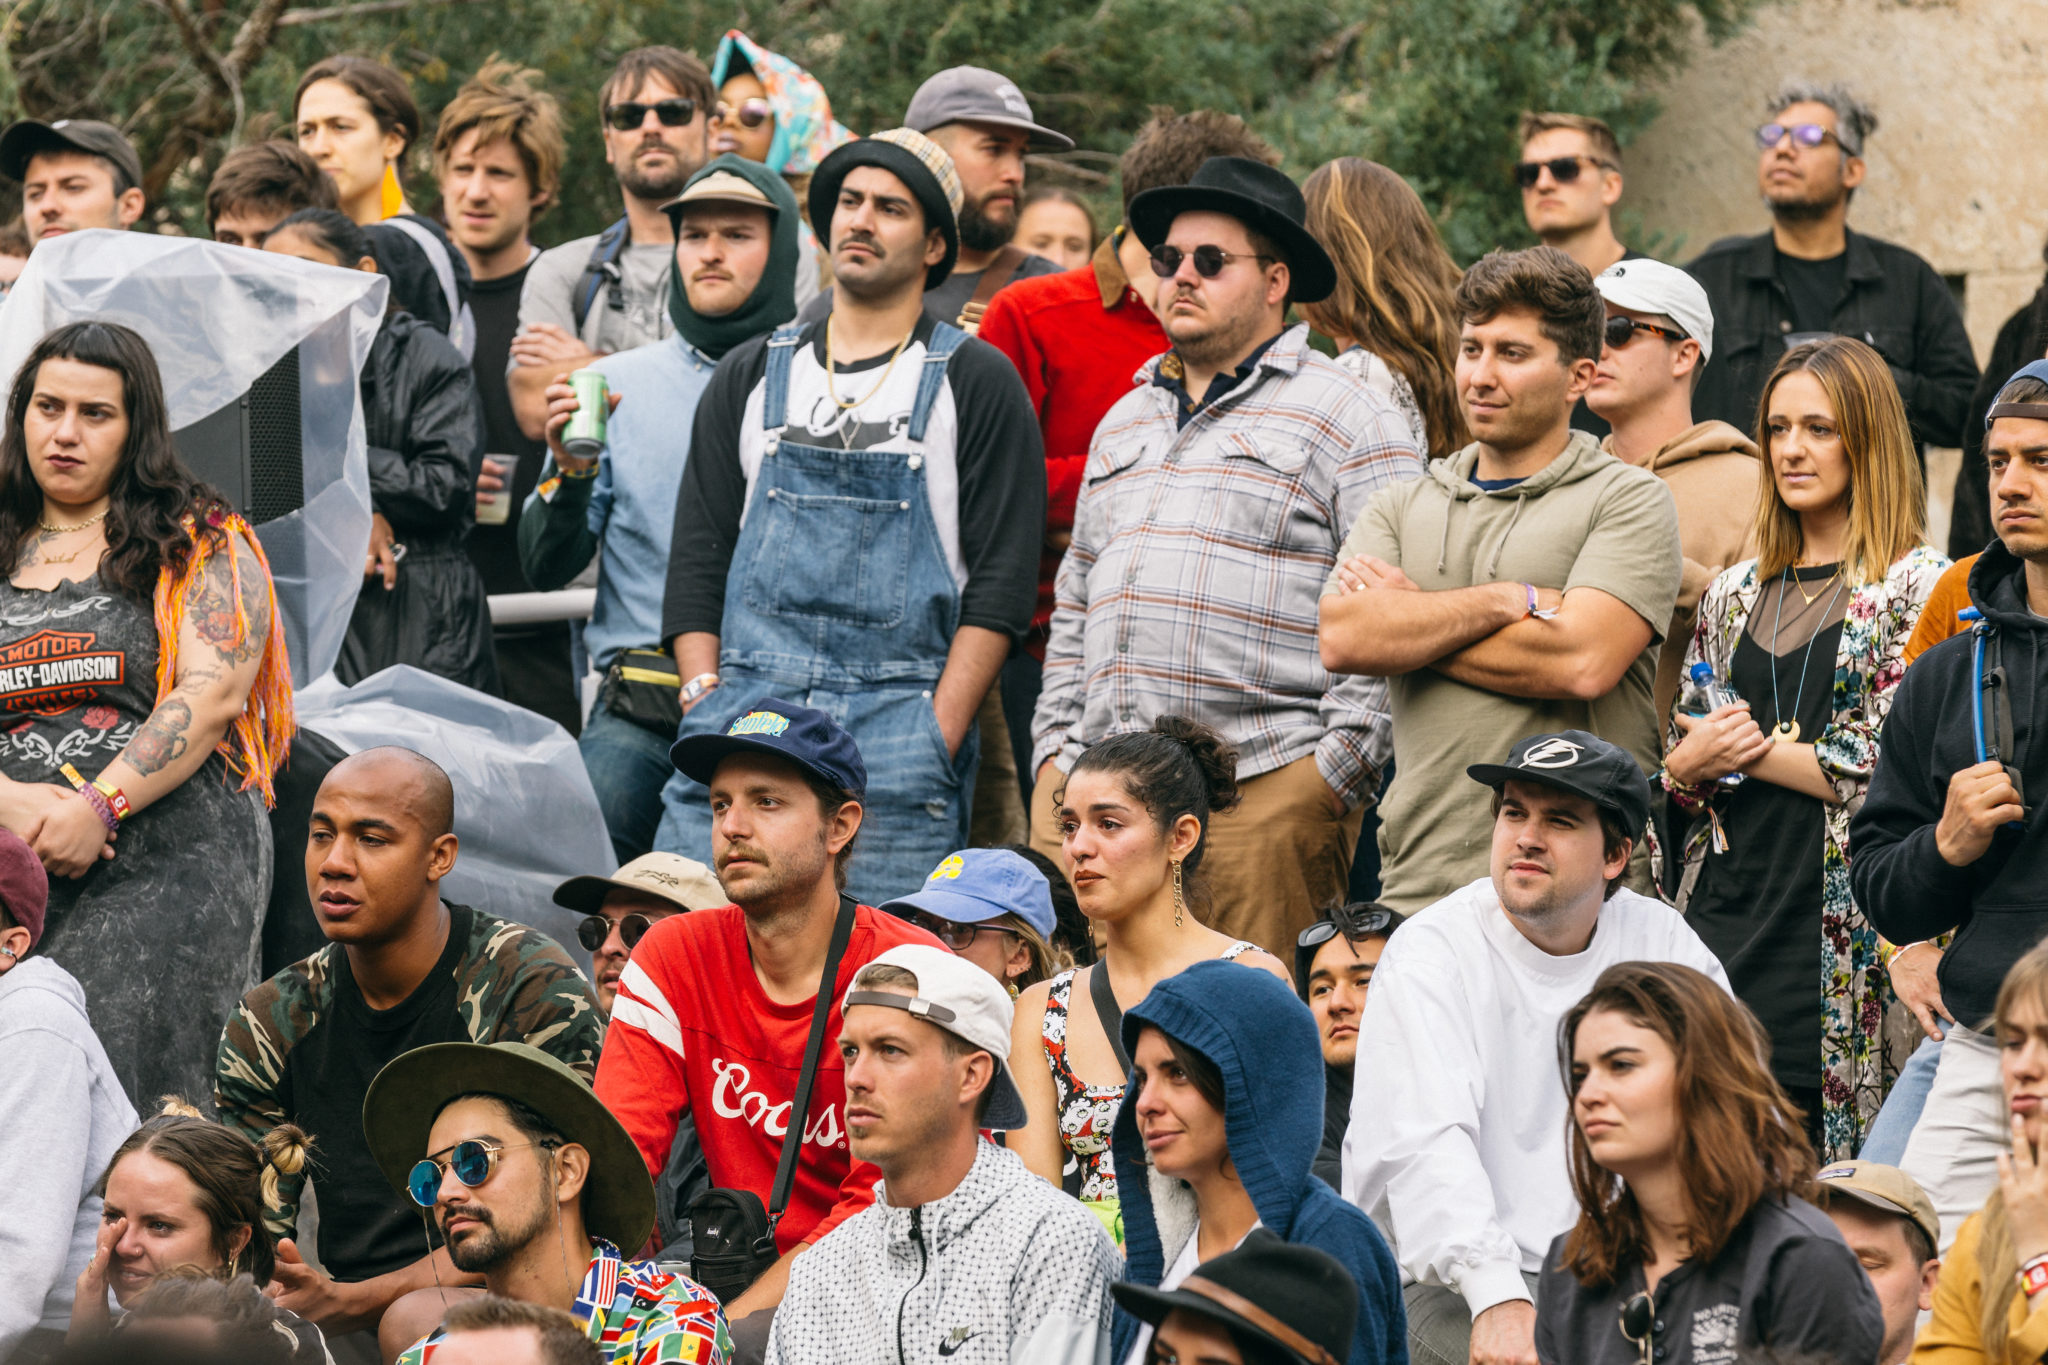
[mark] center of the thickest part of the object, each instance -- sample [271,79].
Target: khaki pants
[1270,865]
[998,814]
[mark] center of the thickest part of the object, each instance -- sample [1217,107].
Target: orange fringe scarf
[260,737]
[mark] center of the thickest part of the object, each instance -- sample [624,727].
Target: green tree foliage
[1430,87]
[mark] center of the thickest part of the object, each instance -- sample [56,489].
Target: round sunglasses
[954,936]
[470,1161]
[627,115]
[747,113]
[1209,260]
[1639,1325]
[1619,331]
[596,929]
[1563,169]
[1803,135]
[1323,930]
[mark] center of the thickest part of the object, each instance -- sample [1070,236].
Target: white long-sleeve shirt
[1458,1111]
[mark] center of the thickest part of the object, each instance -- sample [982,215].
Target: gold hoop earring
[1178,903]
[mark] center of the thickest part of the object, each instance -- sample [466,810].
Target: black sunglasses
[596,929]
[1563,169]
[1622,330]
[954,936]
[1209,260]
[1323,930]
[627,115]
[1639,1324]
[1803,135]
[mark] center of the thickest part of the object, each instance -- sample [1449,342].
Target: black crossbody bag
[733,1234]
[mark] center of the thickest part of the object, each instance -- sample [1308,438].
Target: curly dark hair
[152,492]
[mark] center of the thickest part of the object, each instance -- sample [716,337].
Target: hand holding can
[583,436]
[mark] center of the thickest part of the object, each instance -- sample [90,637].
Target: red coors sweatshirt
[692,1031]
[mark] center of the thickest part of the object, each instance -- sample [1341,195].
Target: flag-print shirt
[637,1313]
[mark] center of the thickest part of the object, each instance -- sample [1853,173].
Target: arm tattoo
[213,608]
[161,739]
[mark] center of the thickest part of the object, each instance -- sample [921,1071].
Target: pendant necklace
[1787,731]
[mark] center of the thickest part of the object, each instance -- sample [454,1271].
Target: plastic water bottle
[1706,692]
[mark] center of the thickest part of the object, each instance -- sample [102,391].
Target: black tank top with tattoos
[164,935]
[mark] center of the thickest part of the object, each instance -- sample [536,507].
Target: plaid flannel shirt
[1198,558]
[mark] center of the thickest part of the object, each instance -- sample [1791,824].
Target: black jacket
[2023,338]
[424,424]
[1892,299]
[1999,904]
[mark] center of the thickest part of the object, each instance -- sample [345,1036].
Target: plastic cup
[495,509]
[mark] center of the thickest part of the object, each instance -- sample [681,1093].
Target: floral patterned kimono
[1856,1069]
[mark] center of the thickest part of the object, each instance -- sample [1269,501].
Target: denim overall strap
[946,339]
[775,384]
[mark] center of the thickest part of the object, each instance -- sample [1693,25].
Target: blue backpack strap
[600,269]
[782,346]
[945,340]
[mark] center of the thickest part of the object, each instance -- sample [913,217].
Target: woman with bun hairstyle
[1134,813]
[183,1192]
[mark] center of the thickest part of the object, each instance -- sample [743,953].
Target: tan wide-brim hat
[683,882]
[402,1103]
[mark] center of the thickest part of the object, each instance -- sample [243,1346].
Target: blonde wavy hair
[1998,1263]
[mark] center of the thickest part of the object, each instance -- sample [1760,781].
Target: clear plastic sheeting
[524,808]
[218,317]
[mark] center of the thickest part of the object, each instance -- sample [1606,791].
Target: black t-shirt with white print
[984,468]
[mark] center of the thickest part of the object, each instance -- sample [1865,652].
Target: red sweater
[692,1031]
[1077,338]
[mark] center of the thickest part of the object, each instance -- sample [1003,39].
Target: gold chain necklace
[1798,584]
[89,521]
[843,404]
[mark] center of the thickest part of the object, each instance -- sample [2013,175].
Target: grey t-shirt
[945,302]
[550,295]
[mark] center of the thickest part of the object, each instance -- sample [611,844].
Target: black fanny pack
[643,686]
[732,1233]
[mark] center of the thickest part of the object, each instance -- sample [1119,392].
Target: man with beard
[1457,1148]
[716,1009]
[1810,276]
[984,123]
[1216,493]
[1521,587]
[892,482]
[606,293]
[533,1185]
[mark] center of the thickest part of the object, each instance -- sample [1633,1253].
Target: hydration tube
[1979,630]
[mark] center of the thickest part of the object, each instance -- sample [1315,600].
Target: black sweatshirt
[1999,904]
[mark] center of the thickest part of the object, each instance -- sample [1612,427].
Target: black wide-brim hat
[1257,195]
[402,1103]
[1297,1299]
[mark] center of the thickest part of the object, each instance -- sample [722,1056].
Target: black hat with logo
[1577,762]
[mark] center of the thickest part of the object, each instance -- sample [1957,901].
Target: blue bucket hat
[804,735]
[978,884]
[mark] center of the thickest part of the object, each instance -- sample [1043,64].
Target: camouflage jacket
[513,984]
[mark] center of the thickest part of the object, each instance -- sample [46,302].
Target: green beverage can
[583,436]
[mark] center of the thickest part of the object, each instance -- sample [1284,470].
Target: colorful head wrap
[804,128]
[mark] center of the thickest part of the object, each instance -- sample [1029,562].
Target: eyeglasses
[1622,330]
[954,936]
[1563,169]
[596,929]
[627,115]
[1371,922]
[472,1161]
[1639,1324]
[1803,135]
[1209,260]
[747,113]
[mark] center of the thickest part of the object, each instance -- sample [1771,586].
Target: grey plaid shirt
[1198,558]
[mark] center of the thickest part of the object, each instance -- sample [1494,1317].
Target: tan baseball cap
[684,881]
[720,187]
[1885,1188]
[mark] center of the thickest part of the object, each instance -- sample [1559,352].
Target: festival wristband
[1540,613]
[2034,1276]
[98,801]
[73,776]
[117,800]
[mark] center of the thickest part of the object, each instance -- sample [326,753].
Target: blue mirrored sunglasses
[472,1163]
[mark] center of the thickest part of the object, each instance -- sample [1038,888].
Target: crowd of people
[1223,791]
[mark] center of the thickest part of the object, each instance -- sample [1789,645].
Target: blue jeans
[1885,1143]
[628,765]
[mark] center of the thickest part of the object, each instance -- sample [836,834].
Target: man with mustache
[715,1009]
[402,968]
[596,295]
[533,1185]
[732,276]
[1457,1147]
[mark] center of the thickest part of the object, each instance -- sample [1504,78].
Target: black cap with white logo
[1577,762]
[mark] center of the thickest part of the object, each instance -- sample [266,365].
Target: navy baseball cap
[804,735]
[977,884]
[1577,762]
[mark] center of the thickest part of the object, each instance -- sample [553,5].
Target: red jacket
[1078,338]
[693,1031]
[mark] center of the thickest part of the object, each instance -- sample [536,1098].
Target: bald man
[402,969]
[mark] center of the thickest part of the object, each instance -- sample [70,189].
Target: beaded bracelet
[2034,1276]
[101,807]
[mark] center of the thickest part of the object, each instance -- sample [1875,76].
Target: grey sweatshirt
[62,1114]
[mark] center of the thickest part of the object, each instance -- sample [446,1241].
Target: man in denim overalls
[860,520]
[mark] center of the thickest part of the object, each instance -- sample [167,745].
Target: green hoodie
[1586,520]
[773,301]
